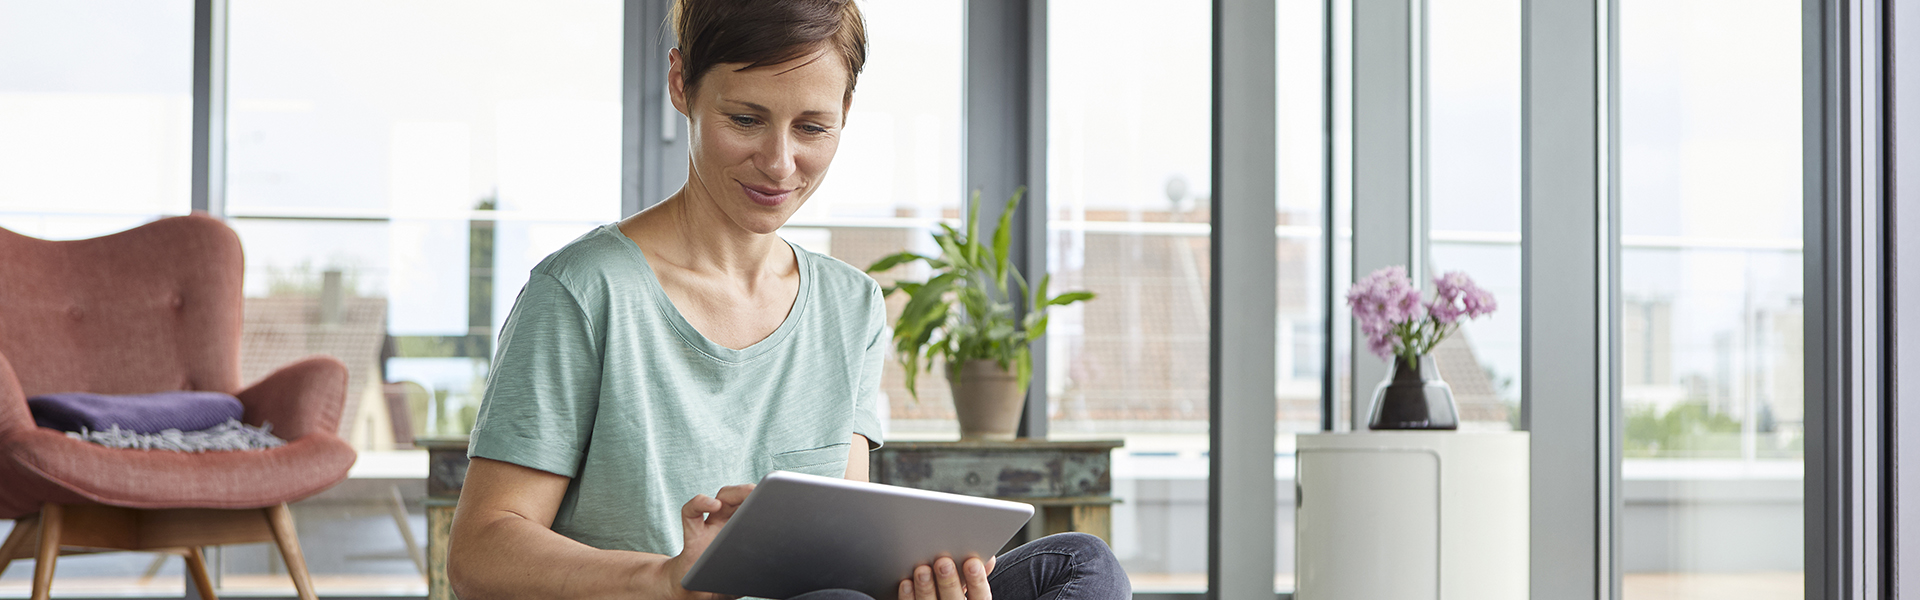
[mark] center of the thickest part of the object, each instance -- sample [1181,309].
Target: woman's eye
[813,129]
[743,120]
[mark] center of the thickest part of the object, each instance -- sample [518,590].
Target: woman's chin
[762,223]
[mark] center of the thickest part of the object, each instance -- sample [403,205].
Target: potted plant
[1402,329]
[964,316]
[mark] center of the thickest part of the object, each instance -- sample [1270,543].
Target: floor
[354,549]
[352,546]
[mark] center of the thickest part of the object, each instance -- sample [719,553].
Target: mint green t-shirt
[599,378]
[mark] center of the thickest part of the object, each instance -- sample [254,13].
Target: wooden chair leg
[197,567]
[24,529]
[50,522]
[399,509]
[153,568]
[280,518]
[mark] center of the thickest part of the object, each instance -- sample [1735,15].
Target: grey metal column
[1568,249]
[1006,132]
[1822,96]
[210,107]
[653,137]
[1903,300]
[1847,317]
[1386,149]
[1241,498]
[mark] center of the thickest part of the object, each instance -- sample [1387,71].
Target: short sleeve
[543,391]
[866,407]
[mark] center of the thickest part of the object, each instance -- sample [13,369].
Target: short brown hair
[766,32]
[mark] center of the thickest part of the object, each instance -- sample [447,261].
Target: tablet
[799,533]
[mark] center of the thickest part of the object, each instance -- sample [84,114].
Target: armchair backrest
[153,308]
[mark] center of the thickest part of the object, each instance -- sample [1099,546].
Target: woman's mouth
[766,196]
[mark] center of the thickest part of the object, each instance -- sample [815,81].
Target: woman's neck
[691,233]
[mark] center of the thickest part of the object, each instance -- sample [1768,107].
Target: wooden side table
[446,473]
[1070,484]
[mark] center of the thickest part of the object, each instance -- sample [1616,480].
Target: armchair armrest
[13,402]
[300,398]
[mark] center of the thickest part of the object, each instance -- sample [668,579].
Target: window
[96,115]
[1473,196]
[1711,296]
[897,174]
[1300,246]
[409,162]
[1129,175]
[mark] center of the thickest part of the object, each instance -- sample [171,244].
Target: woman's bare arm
[503,544]
[857,464]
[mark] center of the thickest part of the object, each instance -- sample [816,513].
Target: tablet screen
[799,533]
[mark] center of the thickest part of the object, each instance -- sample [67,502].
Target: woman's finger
[733,495]
[906,589]
[946,576]
[697,508]
[976,578]
[923,584]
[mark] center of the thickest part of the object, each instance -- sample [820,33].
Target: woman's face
[762,138]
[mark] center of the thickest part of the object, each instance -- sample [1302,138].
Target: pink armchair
[154,308]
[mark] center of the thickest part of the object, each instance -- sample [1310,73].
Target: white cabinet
[1392,515]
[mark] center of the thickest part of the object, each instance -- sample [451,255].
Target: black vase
[1413,397]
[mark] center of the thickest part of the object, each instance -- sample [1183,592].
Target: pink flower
[1444,310]
[1394,320]
[1479,302]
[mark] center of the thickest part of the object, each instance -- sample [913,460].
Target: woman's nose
[777,157]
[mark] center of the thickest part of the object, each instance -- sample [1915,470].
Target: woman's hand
[700,519]
[942,581]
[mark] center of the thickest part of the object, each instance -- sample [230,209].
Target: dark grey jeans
[1067,566]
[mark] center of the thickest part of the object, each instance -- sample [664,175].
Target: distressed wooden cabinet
[446,473]
[1070,484]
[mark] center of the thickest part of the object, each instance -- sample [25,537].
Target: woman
[688,349]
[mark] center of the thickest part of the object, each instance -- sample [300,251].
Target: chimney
[332,298]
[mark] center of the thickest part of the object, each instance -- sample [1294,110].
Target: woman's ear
[677,82]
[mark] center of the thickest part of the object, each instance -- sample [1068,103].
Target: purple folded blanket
[140,413]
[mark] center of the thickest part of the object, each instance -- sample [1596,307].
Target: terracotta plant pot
[987,400]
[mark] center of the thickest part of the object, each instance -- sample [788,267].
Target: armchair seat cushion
[48,466]
[137,413]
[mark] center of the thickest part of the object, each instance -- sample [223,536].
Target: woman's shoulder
[599,258]
[835,278]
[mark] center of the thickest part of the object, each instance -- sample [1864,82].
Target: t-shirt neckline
[699,341]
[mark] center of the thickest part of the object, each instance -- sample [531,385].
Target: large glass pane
[896,175]
[402,165]
[1711,298]
[1129,175]
[96,114]
[1473,196]
[1300,321]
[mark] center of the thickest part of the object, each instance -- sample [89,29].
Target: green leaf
[1037,329]
[929,295]
[1040,293]
[972,242]
[1003,241]
[1000,331]
[1023,368]
[1069,298]
[1024,292]
[892,260]
[952,248]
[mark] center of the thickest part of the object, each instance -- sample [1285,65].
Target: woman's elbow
[465,571]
